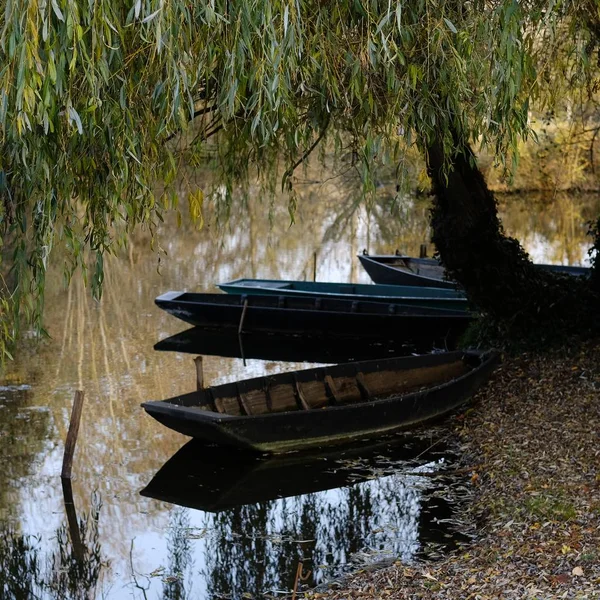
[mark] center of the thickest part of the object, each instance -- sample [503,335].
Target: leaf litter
[528,488]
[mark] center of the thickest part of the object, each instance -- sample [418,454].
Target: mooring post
[423,251]
[241,328]
[199,373]
[72,435]
[314,266]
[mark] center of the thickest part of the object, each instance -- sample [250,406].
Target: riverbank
[531,449]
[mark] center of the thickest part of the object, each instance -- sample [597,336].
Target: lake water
[215,529]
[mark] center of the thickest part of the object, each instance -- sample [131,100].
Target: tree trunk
[495,271]
[595,278]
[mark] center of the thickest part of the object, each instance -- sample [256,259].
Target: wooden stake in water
[314,266]
[199,373]
[241,328]
[72,435]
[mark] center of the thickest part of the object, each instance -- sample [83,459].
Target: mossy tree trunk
[496,273]
[595,278]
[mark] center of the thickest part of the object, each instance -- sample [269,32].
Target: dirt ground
[530,445]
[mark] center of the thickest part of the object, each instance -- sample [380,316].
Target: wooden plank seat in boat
[332,391]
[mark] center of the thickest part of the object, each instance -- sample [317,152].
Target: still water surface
[192,540]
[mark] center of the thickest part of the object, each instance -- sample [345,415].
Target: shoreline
[530,445]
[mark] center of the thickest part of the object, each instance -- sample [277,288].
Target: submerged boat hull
[303,429]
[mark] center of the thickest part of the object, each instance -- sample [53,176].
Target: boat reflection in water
[288,348]
[331,511]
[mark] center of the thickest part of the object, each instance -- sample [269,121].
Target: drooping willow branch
[591,150]
[197,113]
[290,171]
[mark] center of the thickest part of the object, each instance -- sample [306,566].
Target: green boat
[431,297]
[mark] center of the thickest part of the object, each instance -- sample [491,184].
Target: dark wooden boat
[318,317]
[290,348]
[327,405]
[214,478]
[390,269]
[432,297]
[405,271]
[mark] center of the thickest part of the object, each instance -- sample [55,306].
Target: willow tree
[100,100]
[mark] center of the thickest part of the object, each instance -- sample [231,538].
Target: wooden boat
[327,405]
[405,271]
[216,478]
[318,317]
[401,270]
[432,297]
[290,348]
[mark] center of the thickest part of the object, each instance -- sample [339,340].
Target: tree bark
[594,231]
[495,271]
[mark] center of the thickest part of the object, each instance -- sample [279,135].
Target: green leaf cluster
[102,99]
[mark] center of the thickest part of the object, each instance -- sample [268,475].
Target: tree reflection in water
[255,549]
[180,555]
[106,349]
[254,519]
[27,572]
[19,566]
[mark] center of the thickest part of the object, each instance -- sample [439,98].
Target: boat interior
[320,388]
[428,269]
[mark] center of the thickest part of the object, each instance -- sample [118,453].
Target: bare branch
[306,154]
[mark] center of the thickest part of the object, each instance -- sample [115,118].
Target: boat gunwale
[400,298]
[447,292]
